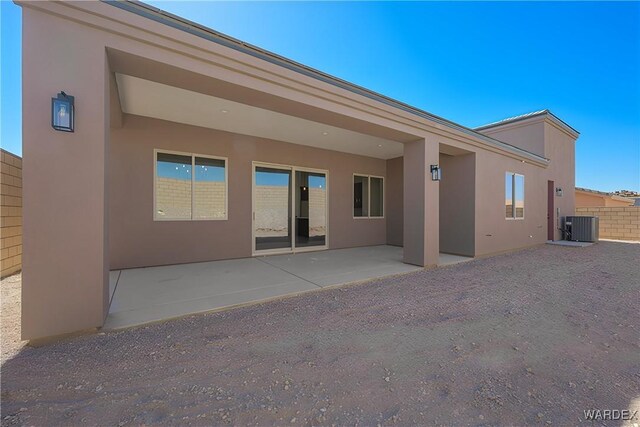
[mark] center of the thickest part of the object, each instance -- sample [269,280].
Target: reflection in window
[190,187]
[508,194]
[514,196]
[311,209]
[272,215]
[519,196]
[377,196]
[210,189]
[360,196]
[173,186]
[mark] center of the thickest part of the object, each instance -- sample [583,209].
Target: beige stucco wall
[137,240]
[526,135]
[457,204]
[65,243]
[10,213]
[420,203]
[585,199]
[394,201]
[560,150]
[496,234]
[618,223]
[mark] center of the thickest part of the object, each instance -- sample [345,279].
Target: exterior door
[272,226]
[290,209]
[550,210]
[311,209]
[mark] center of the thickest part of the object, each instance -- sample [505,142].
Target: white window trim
[384,196]
[513,195]
[193,177]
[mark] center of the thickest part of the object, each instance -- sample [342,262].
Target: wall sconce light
[558,191]
[436,173]
[62,113]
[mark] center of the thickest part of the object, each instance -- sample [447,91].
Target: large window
[514,196]
[190,187]
[368,196]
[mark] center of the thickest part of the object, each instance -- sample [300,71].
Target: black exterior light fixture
[436,173]
[62,113]
[559,191]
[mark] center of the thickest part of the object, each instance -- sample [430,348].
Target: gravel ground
[530,338]
[10,317]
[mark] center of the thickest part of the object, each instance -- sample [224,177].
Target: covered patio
[143,295]
[200,152]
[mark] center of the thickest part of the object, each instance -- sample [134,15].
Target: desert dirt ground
[528,338]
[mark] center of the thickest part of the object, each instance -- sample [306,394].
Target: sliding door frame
[292,213]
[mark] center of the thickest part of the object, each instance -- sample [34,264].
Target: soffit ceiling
[151,99]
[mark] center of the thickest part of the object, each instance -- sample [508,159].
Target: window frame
[514,217]
[353,195]
[193,180]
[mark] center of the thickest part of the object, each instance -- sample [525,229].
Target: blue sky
[472,63]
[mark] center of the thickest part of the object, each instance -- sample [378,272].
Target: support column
[65,258]
[421,204]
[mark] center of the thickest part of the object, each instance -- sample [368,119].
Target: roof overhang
[160,101]
[209,34]
[135,29]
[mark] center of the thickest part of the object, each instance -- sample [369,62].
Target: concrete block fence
[617,223]
[10,213]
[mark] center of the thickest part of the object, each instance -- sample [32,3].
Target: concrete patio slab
[144,295]
[450,259]
[148,294]
[327,268]
[569,243]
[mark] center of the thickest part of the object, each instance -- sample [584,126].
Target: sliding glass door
[311,209]
[272,209]
[289,209]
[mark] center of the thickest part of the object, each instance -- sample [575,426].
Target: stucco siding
[394,201]
[457,204]
[136,240]
[527,136]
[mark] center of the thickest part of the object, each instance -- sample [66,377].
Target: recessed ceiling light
[325,133]
[379,145]
[223,111]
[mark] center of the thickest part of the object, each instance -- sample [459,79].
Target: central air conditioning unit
[581,228]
